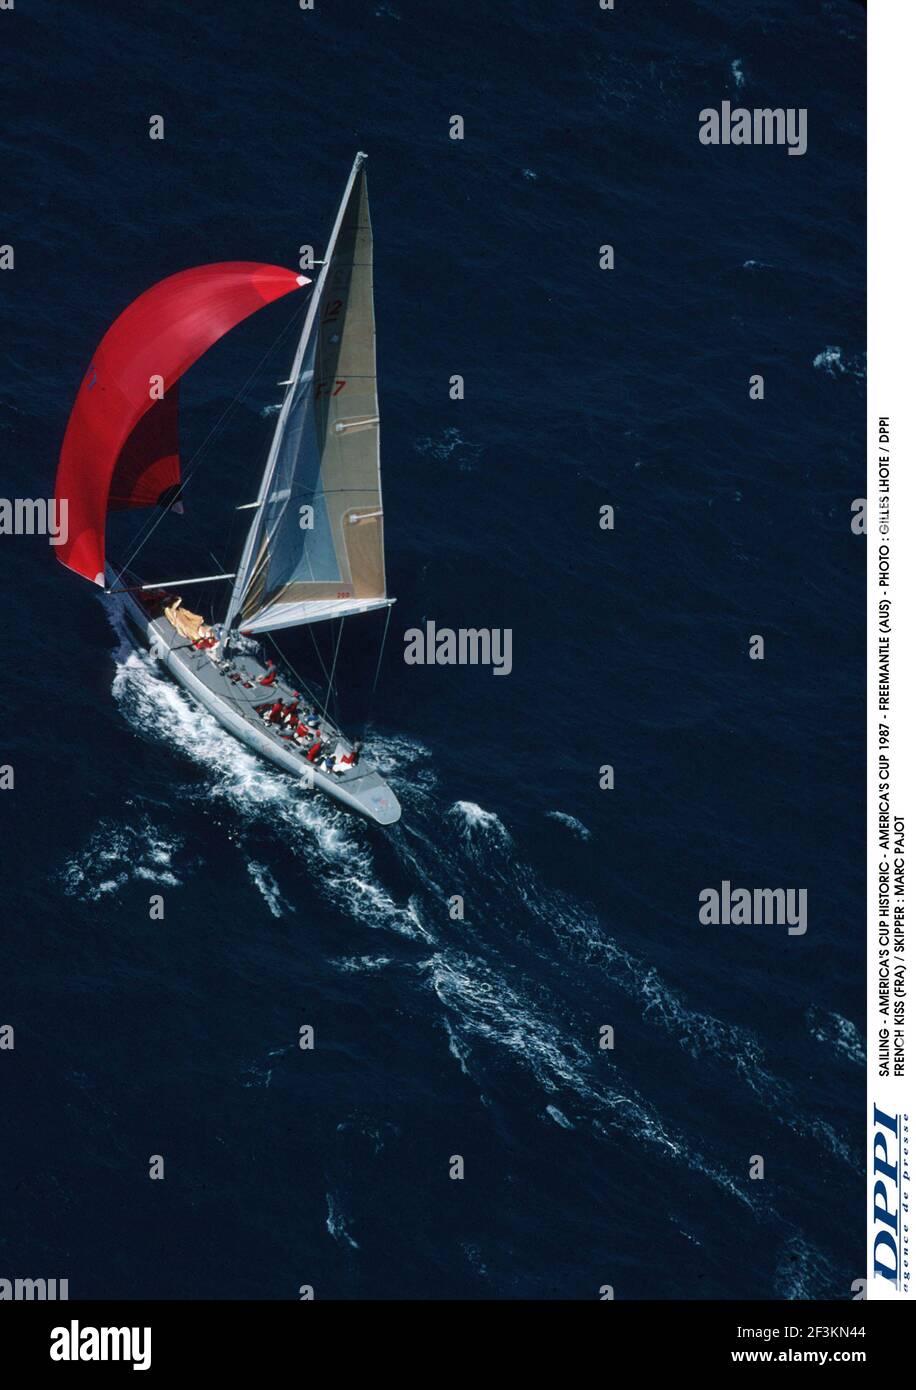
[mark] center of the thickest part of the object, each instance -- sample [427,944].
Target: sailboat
[314,551]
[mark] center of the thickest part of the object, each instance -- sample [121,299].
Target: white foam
[361,965]
[256,1075]
[267,886]
[458,1048]
[474,821]
[306,821]
[832,361]
[118,853]
[571,822]
[451,442]
[336,1224]
[378,1134]
[838,1032]
[482,1006]
[474,1257]
[702,1036]
[804,1272]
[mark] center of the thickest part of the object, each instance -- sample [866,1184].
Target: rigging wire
[197,457]
[370,704]
[381,650]
[324,669]
[299,681]
[334,662]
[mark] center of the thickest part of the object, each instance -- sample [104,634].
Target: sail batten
[305,559]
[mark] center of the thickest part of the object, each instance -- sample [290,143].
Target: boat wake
[507,1033]
[261,799]
[482,1007]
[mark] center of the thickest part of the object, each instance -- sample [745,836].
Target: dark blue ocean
[584,387]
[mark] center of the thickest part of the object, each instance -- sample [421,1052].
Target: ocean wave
[701,1036]
[361,965]
[256,1074]
[377,1134]
[450,444]
[336,1223]
[838,1032]
[482,1006]
[267,886]
[476,825]
[405,762]
[804,1272]
[832,362]
[458,1048]
[485,843]
[474,1257]
[479,1003]
[117,854]
[697,1033]
[571,822]
[413,849]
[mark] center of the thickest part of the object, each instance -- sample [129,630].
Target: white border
[891,393]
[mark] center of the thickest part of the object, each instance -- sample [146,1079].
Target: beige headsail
[316,545]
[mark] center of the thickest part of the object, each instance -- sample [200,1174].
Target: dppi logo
[886,1209]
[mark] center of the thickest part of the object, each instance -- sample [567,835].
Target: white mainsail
[315,549]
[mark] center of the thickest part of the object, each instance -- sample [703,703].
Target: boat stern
[371,796]
[386,809]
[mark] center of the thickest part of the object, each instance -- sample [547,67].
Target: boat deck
[233,688]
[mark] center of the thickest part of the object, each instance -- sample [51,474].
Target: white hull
[361,790]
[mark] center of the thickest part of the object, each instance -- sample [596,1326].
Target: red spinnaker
[121,445]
